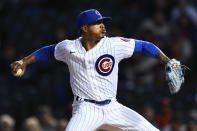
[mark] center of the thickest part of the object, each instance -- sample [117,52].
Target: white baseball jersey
[94,73]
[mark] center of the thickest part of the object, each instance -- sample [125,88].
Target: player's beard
[96,35]
[100,35]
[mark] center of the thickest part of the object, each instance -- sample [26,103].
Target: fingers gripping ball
[19,72]
[20,62]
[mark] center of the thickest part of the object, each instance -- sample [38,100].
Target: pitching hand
[18,68]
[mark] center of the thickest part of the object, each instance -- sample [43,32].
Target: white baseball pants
[111,117]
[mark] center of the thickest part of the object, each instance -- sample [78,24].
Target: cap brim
[106,18]
[103,18]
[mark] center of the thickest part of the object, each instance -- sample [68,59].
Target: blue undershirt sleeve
[146,48]
[45,53]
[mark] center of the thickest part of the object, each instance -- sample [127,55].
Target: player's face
[96,29]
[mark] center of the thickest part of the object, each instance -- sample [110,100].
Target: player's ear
[84,28]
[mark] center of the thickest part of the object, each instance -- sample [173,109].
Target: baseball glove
[174,75]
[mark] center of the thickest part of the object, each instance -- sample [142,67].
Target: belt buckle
[95,102]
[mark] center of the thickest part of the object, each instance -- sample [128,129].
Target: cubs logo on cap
[105,64]
[97,12]
[89,16]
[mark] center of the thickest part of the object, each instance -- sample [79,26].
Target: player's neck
[88,44]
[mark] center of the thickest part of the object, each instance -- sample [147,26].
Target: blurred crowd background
[42,99]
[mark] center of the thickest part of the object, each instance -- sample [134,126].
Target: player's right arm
[150,49]
[43,53]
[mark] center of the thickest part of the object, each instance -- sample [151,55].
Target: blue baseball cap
[88,17]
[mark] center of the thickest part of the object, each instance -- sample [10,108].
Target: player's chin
[102,35]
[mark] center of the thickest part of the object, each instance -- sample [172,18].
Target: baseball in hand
[19,71]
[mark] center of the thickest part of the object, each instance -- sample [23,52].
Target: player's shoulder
[119,39]
[66,43]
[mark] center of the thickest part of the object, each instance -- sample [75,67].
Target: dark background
[27,25]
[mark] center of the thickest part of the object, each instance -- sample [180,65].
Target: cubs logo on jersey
[105,64]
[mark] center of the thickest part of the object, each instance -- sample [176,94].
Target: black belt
[95,102]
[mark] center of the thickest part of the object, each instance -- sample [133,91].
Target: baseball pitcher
[93,61]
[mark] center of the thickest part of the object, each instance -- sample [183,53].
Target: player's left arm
[173,67]
[150,49]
